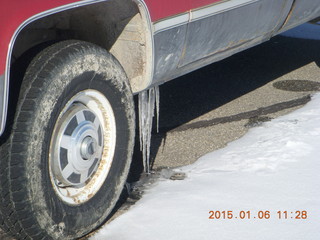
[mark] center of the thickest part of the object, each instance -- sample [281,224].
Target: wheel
[64,166]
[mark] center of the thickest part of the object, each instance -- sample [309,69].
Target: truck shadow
[197,93]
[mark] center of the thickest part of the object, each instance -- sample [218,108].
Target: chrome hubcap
[88,148]
[79,146]
[82,147]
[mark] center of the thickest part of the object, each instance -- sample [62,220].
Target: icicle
[157,105]
[143,102]
[148,100]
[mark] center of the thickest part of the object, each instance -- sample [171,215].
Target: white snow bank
[275,167]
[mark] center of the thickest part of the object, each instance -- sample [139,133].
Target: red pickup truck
[68,72]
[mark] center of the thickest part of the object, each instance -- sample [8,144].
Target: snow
[274,167]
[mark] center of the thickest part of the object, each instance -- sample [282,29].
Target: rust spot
[289,15]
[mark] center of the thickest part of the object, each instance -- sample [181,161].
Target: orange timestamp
[265,214]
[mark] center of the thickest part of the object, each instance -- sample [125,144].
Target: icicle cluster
[148,101]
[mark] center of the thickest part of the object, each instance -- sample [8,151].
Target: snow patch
[274,167]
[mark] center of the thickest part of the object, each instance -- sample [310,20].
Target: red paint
[202,3]
[165,8]
[13,13]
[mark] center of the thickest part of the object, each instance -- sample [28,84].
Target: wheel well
[119,26]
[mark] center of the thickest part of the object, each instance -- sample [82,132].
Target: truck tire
[66,161]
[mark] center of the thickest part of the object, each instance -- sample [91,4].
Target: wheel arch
[123,27]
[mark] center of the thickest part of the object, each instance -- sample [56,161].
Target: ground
[264,185]
[209,108]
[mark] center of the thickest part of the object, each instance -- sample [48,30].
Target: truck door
[222,26]
[302,11]
[170,19]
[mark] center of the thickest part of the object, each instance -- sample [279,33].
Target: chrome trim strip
[172,22]
[32,19]
[219,8]
[200,13]
[3,107]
